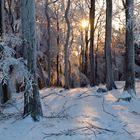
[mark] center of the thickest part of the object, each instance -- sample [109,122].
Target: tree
[58,47]
[48,41]
[5,93]
[108,35]
[1,17]
[66,59]
[92,19]
[130,55]
[1,33]
[32,104]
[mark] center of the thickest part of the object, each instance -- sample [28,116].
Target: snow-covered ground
[76,114]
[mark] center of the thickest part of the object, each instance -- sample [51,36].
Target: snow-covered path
[77,114]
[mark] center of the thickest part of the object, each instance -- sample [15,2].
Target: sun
[84,23]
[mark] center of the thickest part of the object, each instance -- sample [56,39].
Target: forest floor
[76,114]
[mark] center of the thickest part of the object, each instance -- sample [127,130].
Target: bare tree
[48,41]
[1,17]
[32,103]
[92,63]
[5,93]
[108,35]
[1,34]
[58,47]
[66,59]
[130,55]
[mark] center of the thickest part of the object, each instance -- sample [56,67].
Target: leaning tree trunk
[108,33]
[32,104]
[92,63]
[66,46]
[130,56]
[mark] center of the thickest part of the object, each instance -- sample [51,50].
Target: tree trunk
[86,53]
[130,56]
[57,58]
[1,17]
[1,34]
[66,46]
[48,42]
[108,35]
[5,93]
[42,78]
[32,99]
[10,14]
[92,63]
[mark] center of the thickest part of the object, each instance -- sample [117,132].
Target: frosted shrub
[12,67]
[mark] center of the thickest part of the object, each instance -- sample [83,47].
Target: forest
[69,69]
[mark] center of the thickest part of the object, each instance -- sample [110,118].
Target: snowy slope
[77,114]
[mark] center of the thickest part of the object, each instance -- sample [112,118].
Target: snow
[76,114]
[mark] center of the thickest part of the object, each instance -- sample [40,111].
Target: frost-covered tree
[108,35]
[48,40]
[130,56]
[66,50]
[92,64]
[1,17]
[32,104]
[9,66]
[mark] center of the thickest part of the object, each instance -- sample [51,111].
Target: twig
[80,130]
[62,113]
[84,92]
[53,93]
[98,96]
[105,109]
[127,132]
[100,128]
[9,115]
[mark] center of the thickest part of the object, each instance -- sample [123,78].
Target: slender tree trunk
[57,58]
[32,99]
[1,34]
[92,63]
[48,43]
[43,80]
[10,15]
[108,35]
[81,58]
[130,55]
[66,46]
[86,53]
[1,17]
[2,93]
[96,57]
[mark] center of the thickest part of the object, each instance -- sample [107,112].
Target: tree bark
[48,42]
[1,17]
[66,59]
[92,63]
[130,55]
[108,35]
[1,34]
[32,99]
[58,45]
[86,53]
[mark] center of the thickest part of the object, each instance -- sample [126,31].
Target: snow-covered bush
[12,69]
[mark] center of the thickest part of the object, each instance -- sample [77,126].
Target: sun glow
[84,23]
